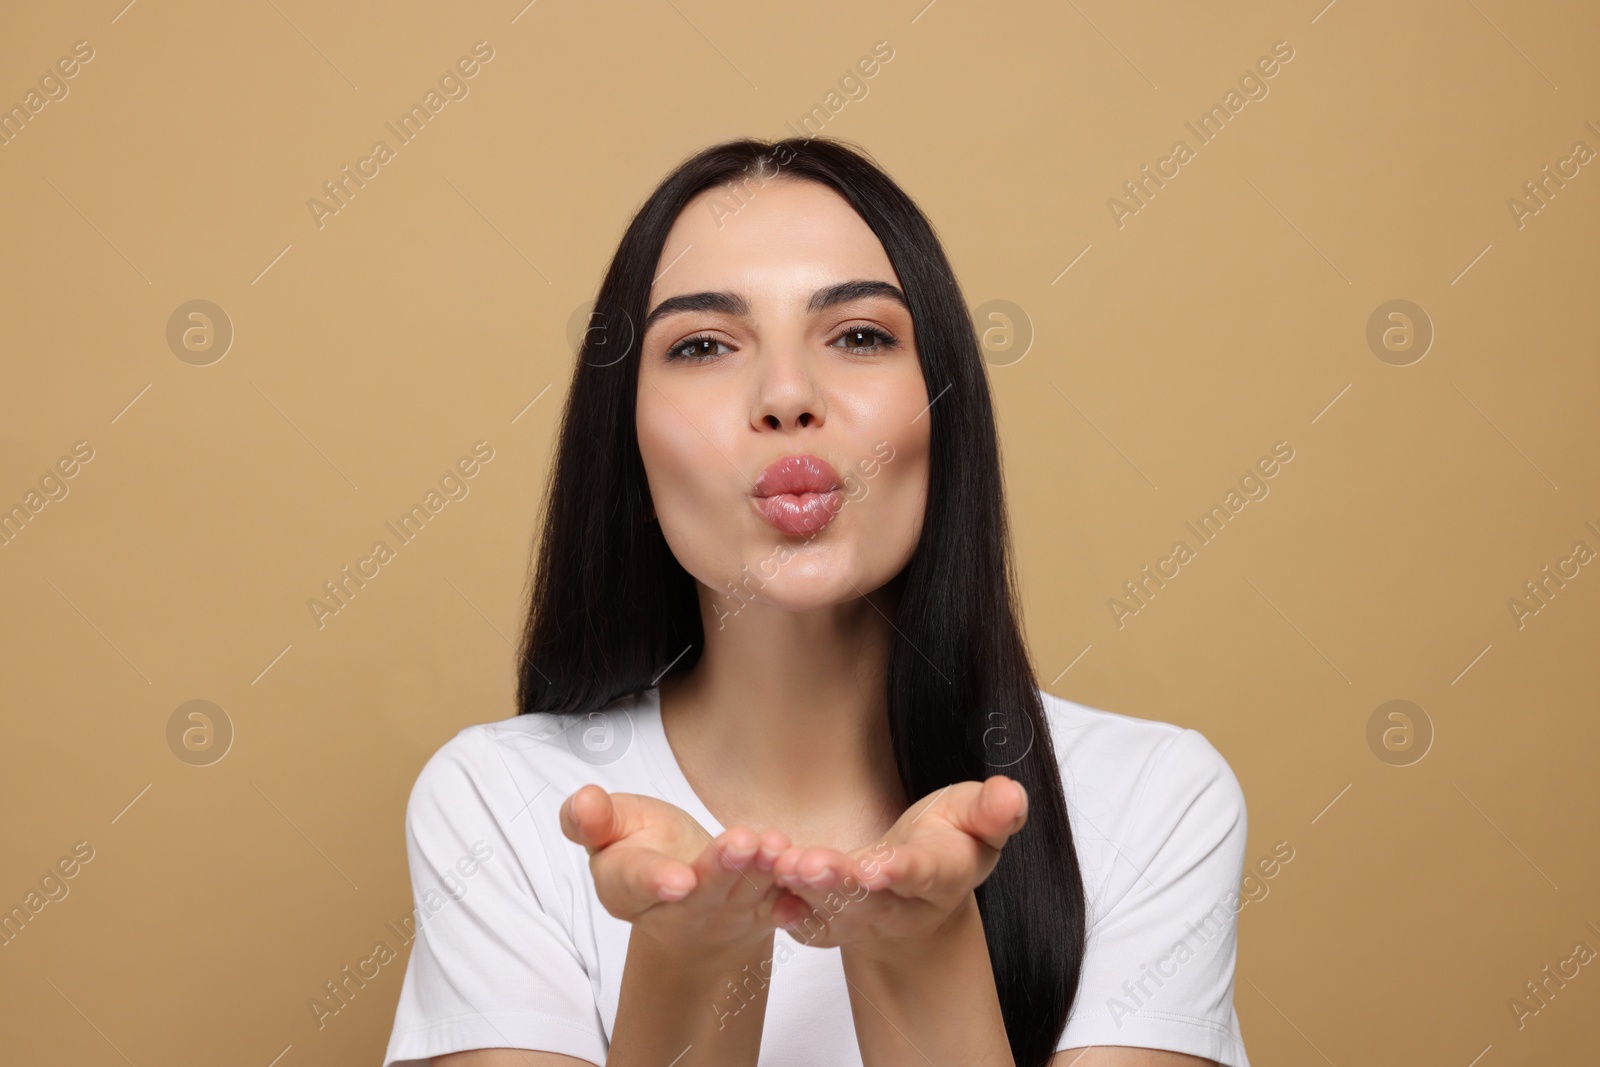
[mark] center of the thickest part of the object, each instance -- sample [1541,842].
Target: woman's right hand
[656,867]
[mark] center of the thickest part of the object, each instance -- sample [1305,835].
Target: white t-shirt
[513,949]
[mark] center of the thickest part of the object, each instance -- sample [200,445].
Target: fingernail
[671,893]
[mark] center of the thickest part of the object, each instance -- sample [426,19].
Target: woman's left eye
[879,338]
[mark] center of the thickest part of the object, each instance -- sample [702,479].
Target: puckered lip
[798,473]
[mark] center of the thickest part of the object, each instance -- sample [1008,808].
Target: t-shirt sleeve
[491,965]
[1158,968]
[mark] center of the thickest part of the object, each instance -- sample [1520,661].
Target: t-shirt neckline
[668,771]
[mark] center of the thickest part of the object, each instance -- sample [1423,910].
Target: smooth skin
[781,728]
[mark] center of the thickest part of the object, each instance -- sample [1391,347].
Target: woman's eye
[695,348]
[866,338]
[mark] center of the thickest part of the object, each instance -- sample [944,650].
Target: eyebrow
[735,304]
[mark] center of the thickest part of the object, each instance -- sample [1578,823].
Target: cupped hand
[656,867]
[926,867]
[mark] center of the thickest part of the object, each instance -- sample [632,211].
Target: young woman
[783,789]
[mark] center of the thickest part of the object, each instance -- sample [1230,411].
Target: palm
[932,858]
[656,867]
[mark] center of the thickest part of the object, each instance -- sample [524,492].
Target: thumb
[590,818]
[998,810]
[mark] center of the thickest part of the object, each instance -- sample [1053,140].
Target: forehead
[784,241]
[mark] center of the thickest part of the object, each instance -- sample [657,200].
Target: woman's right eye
[695,349]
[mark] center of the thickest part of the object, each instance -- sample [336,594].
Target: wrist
[699,961]
[932,947]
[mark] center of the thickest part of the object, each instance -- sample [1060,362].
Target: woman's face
[762,343]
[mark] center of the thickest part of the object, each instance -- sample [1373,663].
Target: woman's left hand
[921,873]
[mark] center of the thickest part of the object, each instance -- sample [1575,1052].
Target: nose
[787,395]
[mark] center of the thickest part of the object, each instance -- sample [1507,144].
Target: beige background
[1229,313]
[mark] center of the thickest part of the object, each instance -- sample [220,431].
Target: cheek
[688,479]
[893,500]
[674,450]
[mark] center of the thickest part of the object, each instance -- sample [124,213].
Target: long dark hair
[610,608]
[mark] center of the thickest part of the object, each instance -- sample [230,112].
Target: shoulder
[499,766]
[1111,757]
[1138,788]
[508,766]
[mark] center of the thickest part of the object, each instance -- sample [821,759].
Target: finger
[914,870]
[721,865]
[756,881]
[590,818]
[816,867]
[634,879]
[997,810]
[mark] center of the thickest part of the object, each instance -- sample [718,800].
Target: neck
[785,716]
